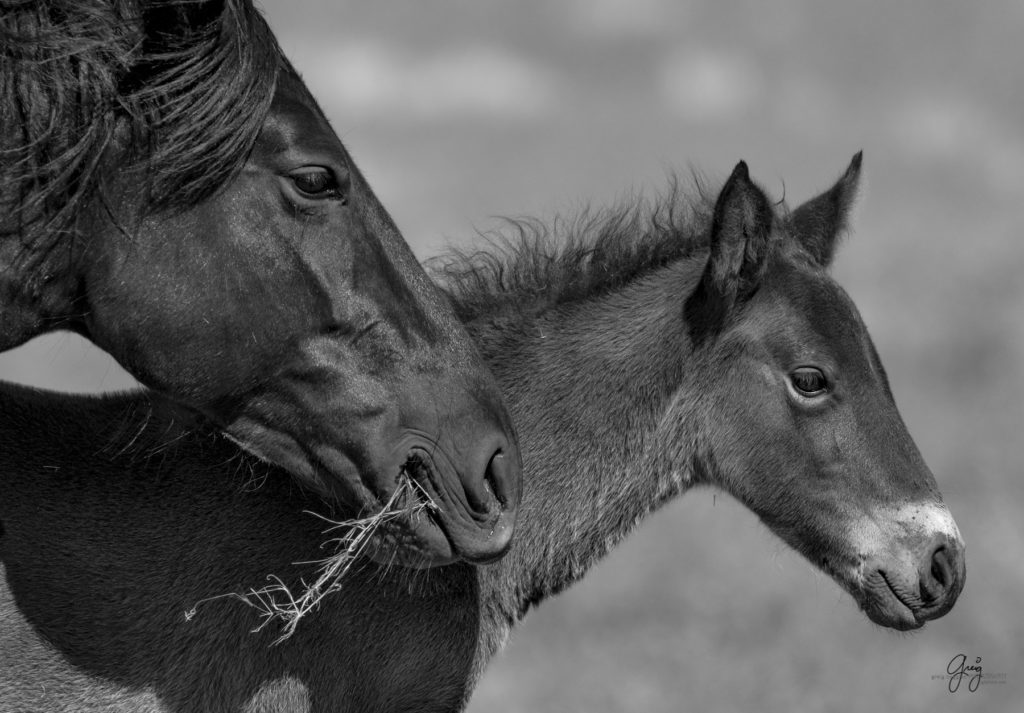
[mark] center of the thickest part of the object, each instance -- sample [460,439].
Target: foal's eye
[315,182]
[809,381]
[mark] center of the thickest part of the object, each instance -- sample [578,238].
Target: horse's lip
[881,602]
[416,545]
[432,527]
[905,618]
[442,483]
[425,541]
[415,539]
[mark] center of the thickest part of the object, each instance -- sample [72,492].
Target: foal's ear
[740,239]
[820,222]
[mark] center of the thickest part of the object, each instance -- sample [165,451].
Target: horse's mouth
[416,541]
[412,535]
[438,522]
[888,606]
[424,511]
[876,595]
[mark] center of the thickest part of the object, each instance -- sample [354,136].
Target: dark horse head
[170,189]
[810,438]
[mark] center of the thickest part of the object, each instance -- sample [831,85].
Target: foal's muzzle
[905,595]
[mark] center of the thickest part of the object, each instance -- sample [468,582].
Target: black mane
[532,265]
[178,88]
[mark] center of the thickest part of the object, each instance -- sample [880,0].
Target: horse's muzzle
[904,595]
[469,512]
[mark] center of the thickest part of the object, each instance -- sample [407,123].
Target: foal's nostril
[939,578]
[940,567]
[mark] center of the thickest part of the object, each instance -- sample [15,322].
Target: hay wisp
[276,601]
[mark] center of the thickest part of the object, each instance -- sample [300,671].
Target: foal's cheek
[751,430]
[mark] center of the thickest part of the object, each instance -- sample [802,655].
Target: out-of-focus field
[460,111]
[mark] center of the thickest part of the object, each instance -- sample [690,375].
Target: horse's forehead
[295,119]
[807,305]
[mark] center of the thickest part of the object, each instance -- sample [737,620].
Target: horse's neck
[42,274]
[588,384]
[36,290]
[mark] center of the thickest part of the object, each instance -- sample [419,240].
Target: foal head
[796,416]
[227,251]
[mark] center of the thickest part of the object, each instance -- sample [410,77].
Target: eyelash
[326,188]
[809,375]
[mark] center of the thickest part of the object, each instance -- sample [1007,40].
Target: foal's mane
[178,88]
[531,265]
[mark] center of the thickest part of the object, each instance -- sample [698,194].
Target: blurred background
[461,111]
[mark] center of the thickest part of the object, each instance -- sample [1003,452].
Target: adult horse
[171,190]
[640,360]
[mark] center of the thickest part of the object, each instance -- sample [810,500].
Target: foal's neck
[588,384]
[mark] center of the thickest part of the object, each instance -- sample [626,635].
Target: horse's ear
[820,222]
[740,239]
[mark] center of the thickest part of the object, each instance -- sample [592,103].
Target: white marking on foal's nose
[932,519]
[879,529]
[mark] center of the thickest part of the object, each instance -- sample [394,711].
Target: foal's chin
[904,584]
[888,599]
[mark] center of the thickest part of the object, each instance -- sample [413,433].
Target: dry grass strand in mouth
[276,601]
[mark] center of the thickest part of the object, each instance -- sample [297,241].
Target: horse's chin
[879,600]
[414,506]
[418,545]
[884,606]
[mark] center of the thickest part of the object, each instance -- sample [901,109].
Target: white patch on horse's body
[37,678]
[280,695]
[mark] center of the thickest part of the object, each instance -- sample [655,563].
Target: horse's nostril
[499,473]
[939,578]
[490,494]
[478,499]
[940,567]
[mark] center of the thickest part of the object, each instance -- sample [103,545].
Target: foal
[707,347]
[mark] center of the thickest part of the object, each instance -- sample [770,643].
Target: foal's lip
[893,611]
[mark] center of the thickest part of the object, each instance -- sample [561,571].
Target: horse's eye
[316,182]
[809,381]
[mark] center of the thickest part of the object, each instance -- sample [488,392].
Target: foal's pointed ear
[740,239]
[820,222]
[740,233]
